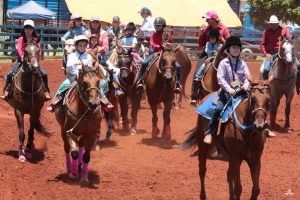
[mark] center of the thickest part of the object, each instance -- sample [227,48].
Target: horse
[128,79]
[282,77]
[79,117]
[69,48]
[28,97]
[242,136]
[209,82]
[160,84]
[111,116]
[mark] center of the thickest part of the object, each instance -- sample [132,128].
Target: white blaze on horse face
[288,51]
[35,63]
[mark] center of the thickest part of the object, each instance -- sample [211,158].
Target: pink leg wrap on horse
[68,162]
[75,167]
[80,155]
[84,171]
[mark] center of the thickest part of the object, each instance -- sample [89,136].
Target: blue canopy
[30,10]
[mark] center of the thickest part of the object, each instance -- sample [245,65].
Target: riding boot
[194,95]
[178,88]
[212,127]
[6,88]
[107,104]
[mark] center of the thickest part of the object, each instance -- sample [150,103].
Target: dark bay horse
[243,137]
[28,97]
[282,77]
[128,79]
[160,85]
[79,118]
[209,82]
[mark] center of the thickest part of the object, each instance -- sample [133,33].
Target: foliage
[285,10]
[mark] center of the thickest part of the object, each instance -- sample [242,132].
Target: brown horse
[186,65]
[243,137]
[128,79]
[28,97]
[111,116]
[160,85]
[282,79]
[209,82]
[79,117]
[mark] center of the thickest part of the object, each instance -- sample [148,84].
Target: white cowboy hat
[273,20]
[29,23]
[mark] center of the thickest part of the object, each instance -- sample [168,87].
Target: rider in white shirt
[147,25]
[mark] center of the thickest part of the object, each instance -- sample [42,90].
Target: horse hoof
[155,132]
[133,131]
[28,155]
[22,159]
[84,181]
[72,176]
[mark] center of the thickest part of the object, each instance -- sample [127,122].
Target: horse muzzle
[93,104]
[167,77]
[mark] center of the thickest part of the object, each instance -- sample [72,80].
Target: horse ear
[176,48]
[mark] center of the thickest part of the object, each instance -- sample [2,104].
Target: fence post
[184,36]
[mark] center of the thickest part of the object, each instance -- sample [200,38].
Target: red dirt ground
[135,167]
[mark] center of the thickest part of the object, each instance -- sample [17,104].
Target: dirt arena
[135,167]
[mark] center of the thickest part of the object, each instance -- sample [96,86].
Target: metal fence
[188,37]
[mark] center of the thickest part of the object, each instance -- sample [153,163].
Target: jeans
[199,72]
[145,64]
[266,65]
[178,72]
[223,99]
[65,85]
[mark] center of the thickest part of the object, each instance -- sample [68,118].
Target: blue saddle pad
[207,107]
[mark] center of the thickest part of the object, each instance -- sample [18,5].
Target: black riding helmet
[233,40]
[159,21]
[214,33]
[131,26]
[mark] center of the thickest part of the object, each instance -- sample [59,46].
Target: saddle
[156,57]
[206,108]
[207,62]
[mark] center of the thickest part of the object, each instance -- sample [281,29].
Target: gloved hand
[231,91]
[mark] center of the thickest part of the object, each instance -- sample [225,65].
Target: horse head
[93,55]
[124,64]
[31,57]
[88,81]
[286,50]
[167,61]
[259,102]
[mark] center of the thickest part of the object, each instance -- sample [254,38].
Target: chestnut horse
[282,79]
[79,117]
[28,97]
[160,85]
[128,79]
[242,136]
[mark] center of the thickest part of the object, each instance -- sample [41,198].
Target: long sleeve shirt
[224,73]
[147,26]
[21,46]
[156,40]
[203,38]
[270,40]
[71,34]
[103,39]
[73,66]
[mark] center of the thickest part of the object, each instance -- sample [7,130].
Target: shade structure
[176,12]
[30,10]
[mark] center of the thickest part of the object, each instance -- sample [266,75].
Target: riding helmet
[232,40]
[80,38]
[131,26]
[159,21]
[214,33]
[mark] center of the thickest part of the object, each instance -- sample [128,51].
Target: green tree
[285,10]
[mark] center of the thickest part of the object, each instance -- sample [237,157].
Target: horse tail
[191,140]
[41,128]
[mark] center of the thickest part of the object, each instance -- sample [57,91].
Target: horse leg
[67,149]
[255,165]
[203,151]
[155,130]
[124,112]
[235,171]
[167,128]
[28,149]
[136,98]
[85,165]
[288,102]
[230,183]
[273,109]
[20,121]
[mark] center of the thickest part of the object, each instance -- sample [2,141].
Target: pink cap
[211,15]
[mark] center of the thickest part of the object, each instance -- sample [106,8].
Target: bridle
[260,88]
[279,54]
